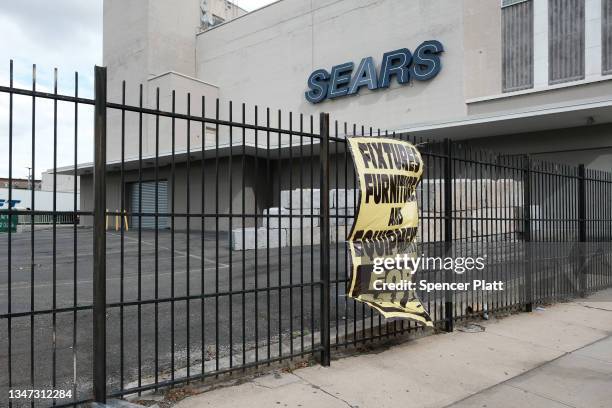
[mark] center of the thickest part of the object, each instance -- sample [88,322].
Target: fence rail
[47,219]
[235,255]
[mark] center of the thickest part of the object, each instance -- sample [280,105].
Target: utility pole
[30,184]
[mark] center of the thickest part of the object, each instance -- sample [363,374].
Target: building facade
[63,183]
[516,76]
[22,184]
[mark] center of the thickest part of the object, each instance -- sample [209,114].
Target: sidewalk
[557,357]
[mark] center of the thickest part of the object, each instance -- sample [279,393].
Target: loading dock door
[148,204]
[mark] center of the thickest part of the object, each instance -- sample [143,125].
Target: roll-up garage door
[148,204]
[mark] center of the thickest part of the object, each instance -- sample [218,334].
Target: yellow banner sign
[385,226]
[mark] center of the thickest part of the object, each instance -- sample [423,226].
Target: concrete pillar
[592,38]
[540,43]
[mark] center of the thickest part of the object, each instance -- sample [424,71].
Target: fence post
[582,228]
[448,231]
[527,233]
[99,234]
[324,214]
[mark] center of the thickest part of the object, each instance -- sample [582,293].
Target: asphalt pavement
[146,267]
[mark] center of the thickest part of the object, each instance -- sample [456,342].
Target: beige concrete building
[516,76]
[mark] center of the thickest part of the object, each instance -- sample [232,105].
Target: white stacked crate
[296,222]
[480,207]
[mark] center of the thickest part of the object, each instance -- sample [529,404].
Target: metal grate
[153,201]
[517,46]
[565,40]
[606,37]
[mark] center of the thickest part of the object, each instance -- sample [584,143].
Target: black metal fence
[243,263]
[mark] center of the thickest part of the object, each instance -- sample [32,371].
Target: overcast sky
[62,34]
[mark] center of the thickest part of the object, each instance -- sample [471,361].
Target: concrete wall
[483,42]
[64,183]
[166,83]
[251,182]
[143,40]
[586,145]
[555,97]
[272,52]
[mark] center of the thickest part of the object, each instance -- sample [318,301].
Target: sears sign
[401,64]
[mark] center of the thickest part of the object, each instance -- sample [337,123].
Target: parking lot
[141,269]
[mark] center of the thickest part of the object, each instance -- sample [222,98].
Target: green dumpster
[5,225]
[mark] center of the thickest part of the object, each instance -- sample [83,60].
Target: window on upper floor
[565,40]
[517,45]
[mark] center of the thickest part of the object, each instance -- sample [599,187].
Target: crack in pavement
[593,307]
[325,391]
[541,396]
